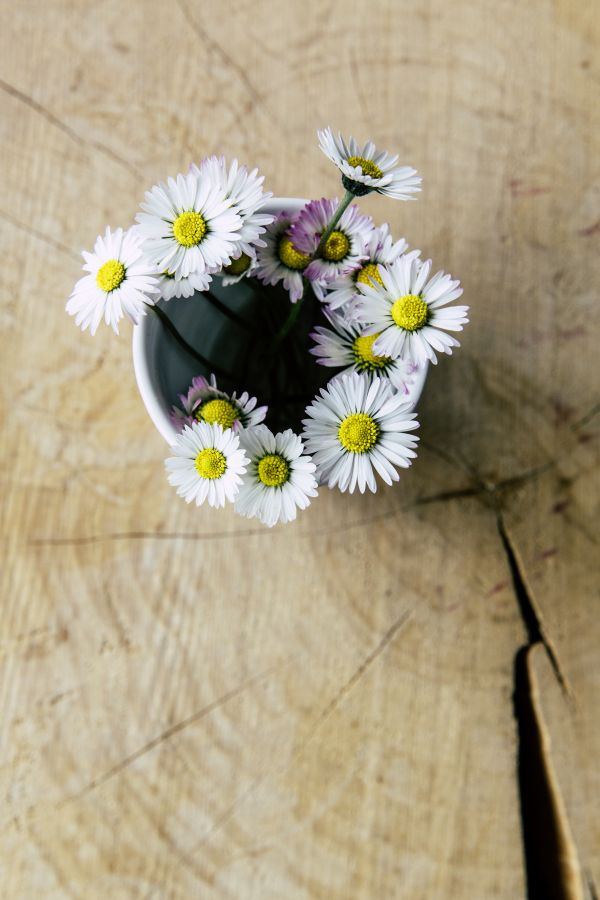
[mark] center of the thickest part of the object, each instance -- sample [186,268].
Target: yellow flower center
[210,463]
[358,433]
[367,165]
[369,274]
[218,412]
[273,470]
[410,312]
[110,275]
[336,246]
[291,257]
[238,266]
[362,350]
[189,228]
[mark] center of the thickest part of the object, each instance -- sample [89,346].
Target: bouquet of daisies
[332,295]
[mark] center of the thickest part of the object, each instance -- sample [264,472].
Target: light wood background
[193,706]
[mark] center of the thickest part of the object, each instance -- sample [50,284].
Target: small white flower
[207,464]
[280,478]
[120,282]
[358,424]
[344,249]
[347,347]
[380,248]
[188,225]
[171,286]
[244,266]
[244,191]
[279,260]
[407,312]
[368,169]
[204,402]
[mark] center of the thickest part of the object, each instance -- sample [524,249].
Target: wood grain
[196,707]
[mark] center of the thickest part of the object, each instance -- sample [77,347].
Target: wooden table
[397,696]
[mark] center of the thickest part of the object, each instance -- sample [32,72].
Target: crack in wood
[551,859]
[209,41]
[530,613]
[40,236]
[587,417]
[170,732]
[358,673]
[591,884]
[52,119]
[325,714]
[474,490]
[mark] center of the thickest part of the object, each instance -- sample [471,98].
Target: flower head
[380,248]
[279,479]
[279,260]
[120,281]
[346,346]
[170,286]
[242,267]
[188,225]
[345,247]
[207,464]
[367,169]
[408,312]
[204,402]
[244,191]
[358,424]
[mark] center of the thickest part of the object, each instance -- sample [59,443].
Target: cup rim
[142,333]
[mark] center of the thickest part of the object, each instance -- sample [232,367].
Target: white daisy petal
[408,311]
[367,431]
[188,225]
[379,249]
[344,250]
[280,477]
[367,169]
[207,465]
[121,282]
[171,286]
[347,347]
[243,192]
[279,261]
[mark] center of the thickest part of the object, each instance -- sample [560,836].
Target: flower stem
[229,313]
[168,325]
[289,323]
[346,201]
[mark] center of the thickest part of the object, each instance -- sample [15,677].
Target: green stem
[229,313]
[346,201]
[168,325]
[289,323]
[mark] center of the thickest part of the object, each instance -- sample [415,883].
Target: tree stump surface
[397,695]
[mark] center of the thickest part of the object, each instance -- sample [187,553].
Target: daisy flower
[170,286]
[280,478]
[279,260]
[407,312]
[188,225]
[204,402]
[244,191]
[358,424]
[207,464]
[243,267]
[344,249]
[380,248]
[347,347]
[368,169]
[120,281]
